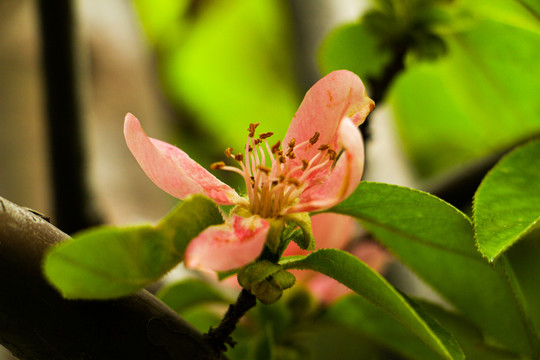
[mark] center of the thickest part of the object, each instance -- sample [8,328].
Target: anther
[292,143]
[305,164]
[250,149]
[281,177]
[323,147]
[239,157]
[257,141]
[275,148]
[217,165]
[228,152]
[265,135]
[331,154]
[252,128]
[264,169]
[282,159]
[315,138]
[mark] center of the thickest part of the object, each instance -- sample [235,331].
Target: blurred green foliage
[225,64]
[469,81]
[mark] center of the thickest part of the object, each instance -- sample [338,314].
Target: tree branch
[37,323]
[72,208]
[221,335]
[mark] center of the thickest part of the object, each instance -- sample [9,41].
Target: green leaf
[436,241]
[523,260]
[478,99]
[377,325]
[250,40]
[186,293]
[329,341]
[355,48]
[507,203]
[468,336]
[108,262]
[188,219]
[353,273]
[512,12]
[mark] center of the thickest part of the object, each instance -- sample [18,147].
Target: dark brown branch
[37,323]
[72,210]
[221,335]
[379,86]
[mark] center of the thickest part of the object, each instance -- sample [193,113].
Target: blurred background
[456,84]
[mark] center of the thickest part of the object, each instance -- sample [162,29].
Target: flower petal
[339,94]
[326,289]
[330,231]
[343,179]
[173,170]
[228,246]
[373,254]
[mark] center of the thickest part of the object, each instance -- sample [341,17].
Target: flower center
[274,178]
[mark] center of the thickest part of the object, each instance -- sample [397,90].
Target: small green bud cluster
[265,280]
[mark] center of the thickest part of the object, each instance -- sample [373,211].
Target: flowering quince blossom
[320,165]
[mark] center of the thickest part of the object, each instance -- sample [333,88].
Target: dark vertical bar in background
[64,116]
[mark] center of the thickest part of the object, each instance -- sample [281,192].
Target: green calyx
[307,240]
[265,280]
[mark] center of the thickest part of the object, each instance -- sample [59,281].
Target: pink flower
[320,165]
[336,231]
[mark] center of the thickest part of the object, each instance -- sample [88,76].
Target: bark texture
[37,323]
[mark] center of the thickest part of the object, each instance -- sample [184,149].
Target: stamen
[292,143]
[217,165]
[265,135]
[323,147]
[331,154]
[270,153]
[252,128]
[315,138]
[312,169]
[271,187]
[264,169]
[293,181]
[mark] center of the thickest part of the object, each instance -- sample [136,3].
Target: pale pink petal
[373,254]
[343,179]
[228,246]
[333,230]
[330,231]
[339,94]
[326,289]
[173,170]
